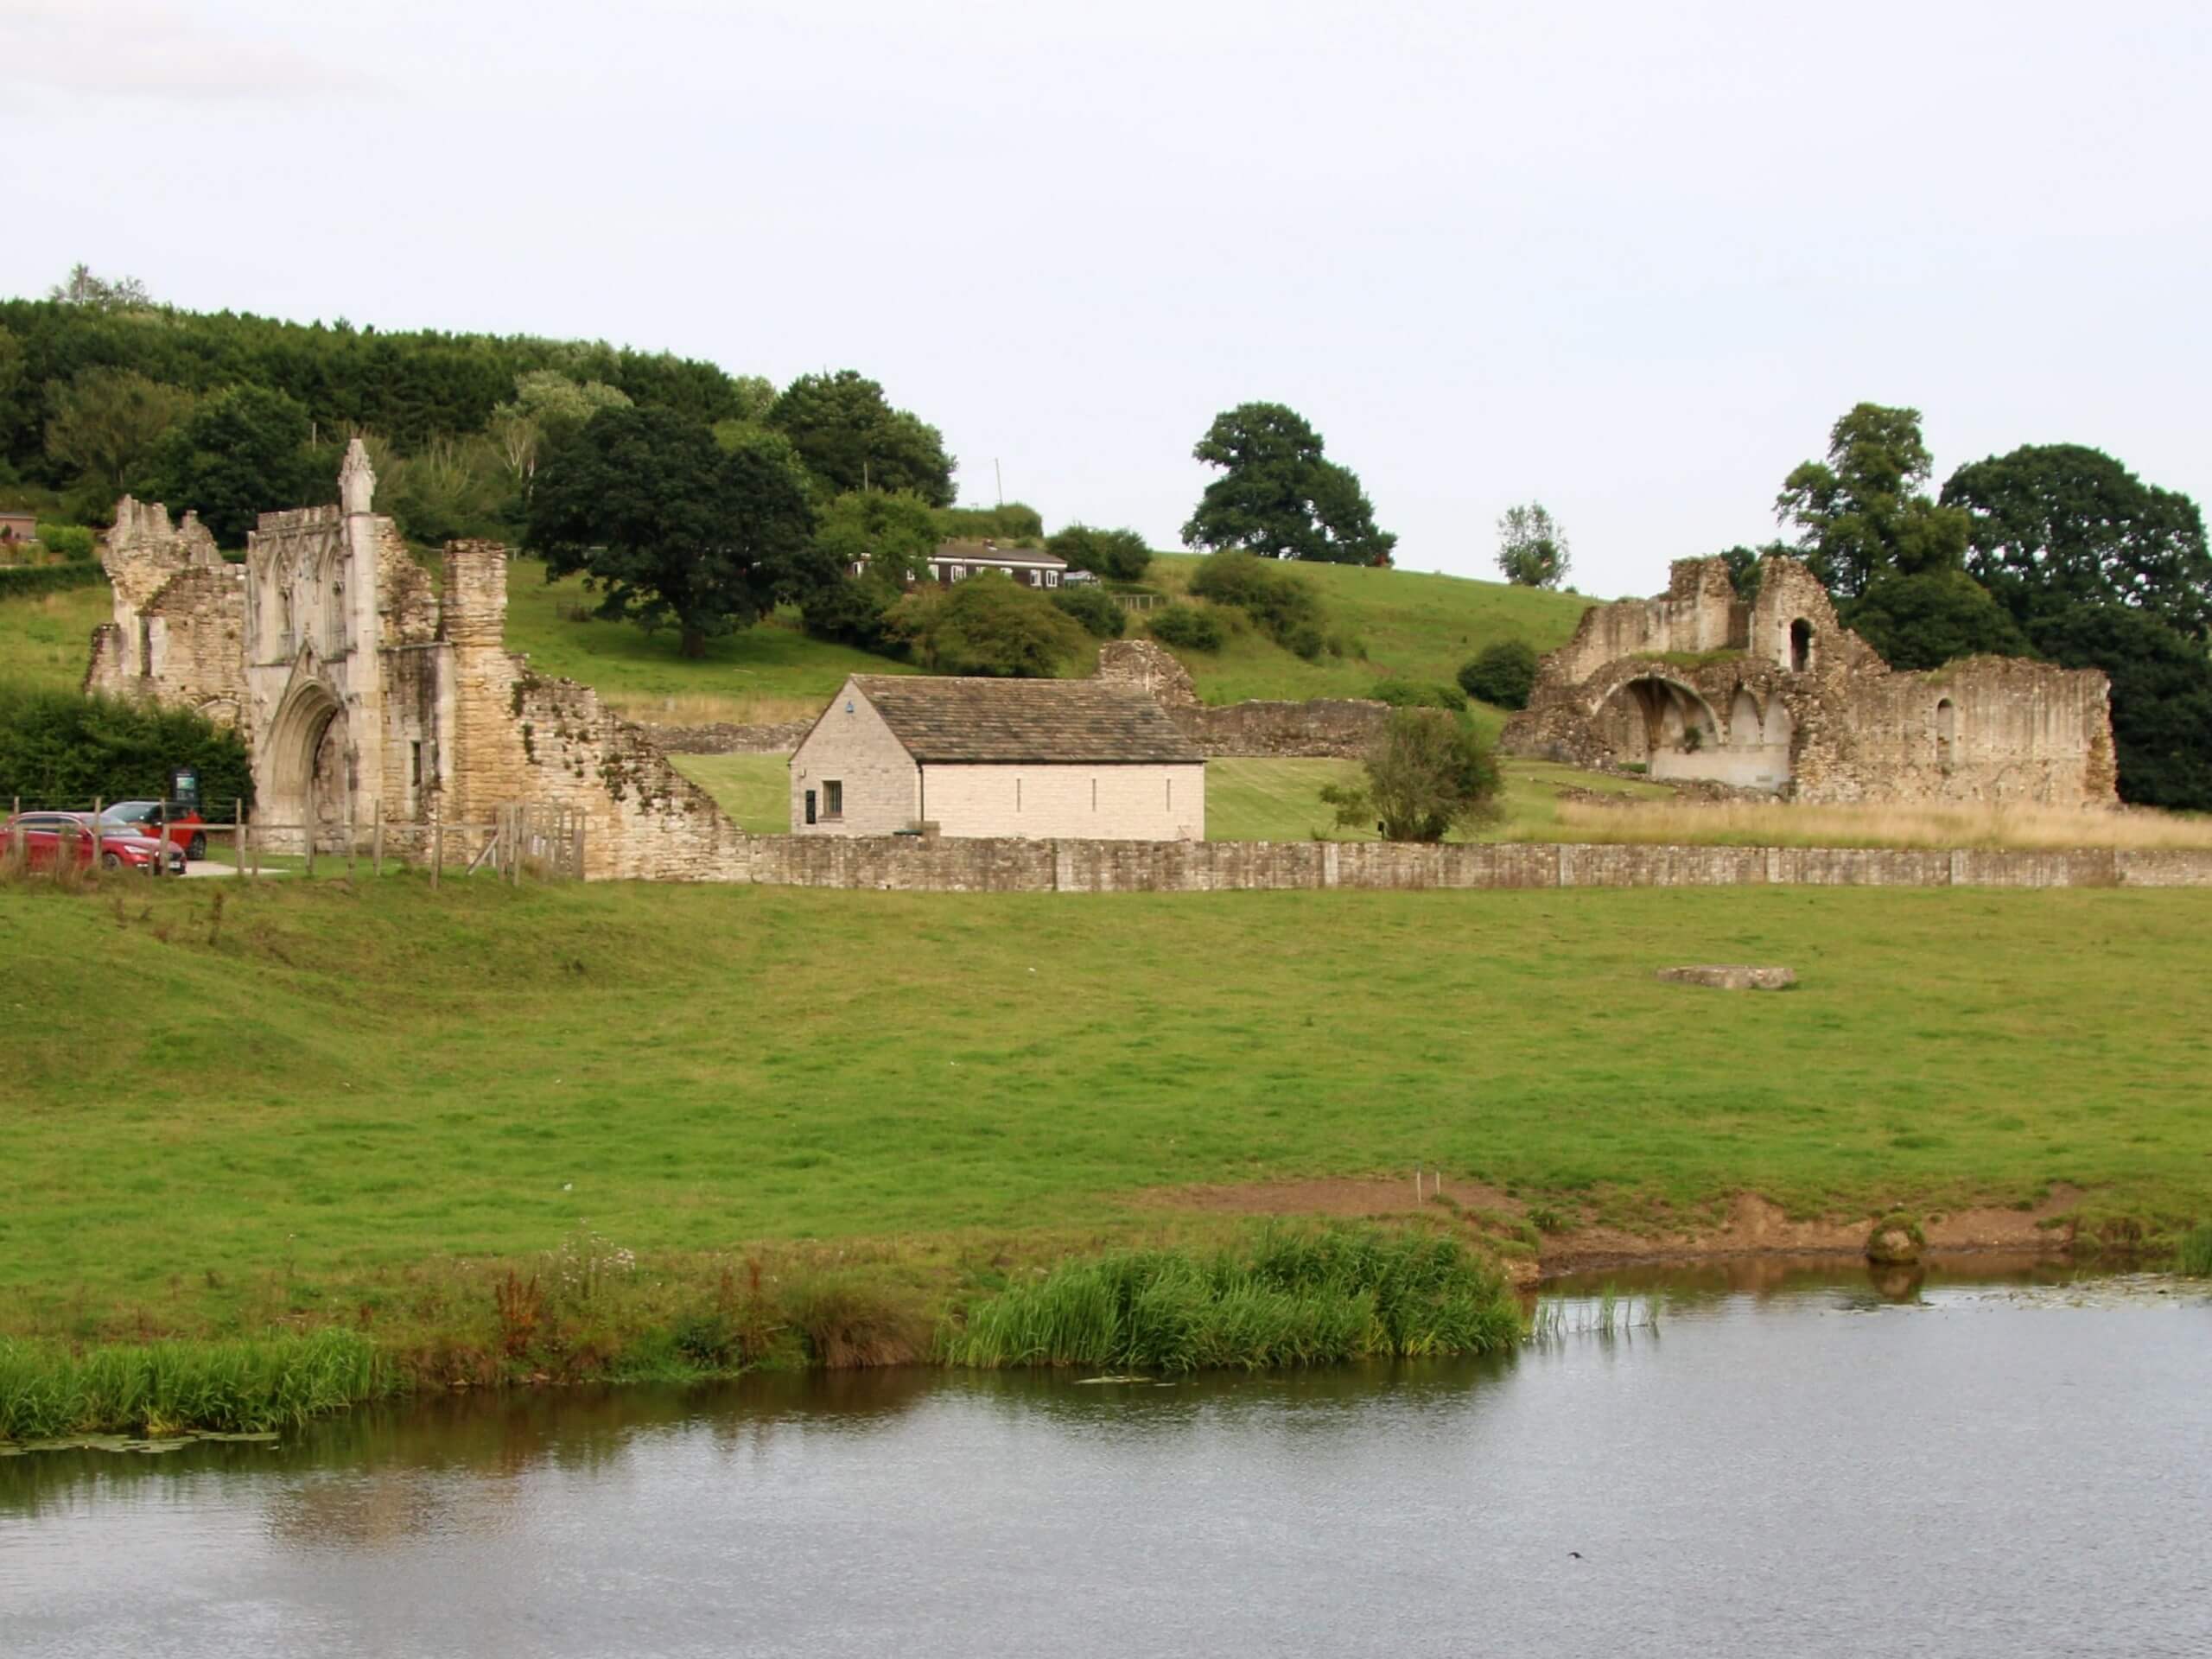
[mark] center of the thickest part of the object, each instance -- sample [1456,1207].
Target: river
[1795,1462]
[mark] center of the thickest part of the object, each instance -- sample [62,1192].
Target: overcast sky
[1632,260]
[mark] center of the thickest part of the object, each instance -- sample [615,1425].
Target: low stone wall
[912,864]
[1329,727]
[724,739]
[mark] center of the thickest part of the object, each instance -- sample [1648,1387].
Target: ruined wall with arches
[1776,694]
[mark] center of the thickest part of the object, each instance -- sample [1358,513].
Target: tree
[887,540]
[1119,554]
[546,404]
[2054,525]
[988,625]
[667,526]
[1283,604]
[82,288]
[1428,773]
[1531,547]
[2161,698]
[1864,512]
[16,412]
[106,425]
[850,438]
[1502,674]
[1925,621]
[240,454]
[1278,496]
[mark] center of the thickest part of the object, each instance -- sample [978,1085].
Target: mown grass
[363,1103]
[1290,1298]
[239,1387]
[47,642]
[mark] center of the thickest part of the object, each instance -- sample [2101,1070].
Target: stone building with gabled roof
[1039,759]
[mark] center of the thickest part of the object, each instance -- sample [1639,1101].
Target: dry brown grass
[1739,824]
[701,708]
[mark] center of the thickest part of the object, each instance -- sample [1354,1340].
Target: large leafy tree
[2161,697]
[850,438]
[1531,547]
[1865,511]
[867,547]
[1279,495]
[106,425]
[237,454]
[1926,620]
[2054,525]
[1120,554]
[668,526]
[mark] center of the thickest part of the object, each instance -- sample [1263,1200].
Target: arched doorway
[1666,727]
[303,773]
[1946,734]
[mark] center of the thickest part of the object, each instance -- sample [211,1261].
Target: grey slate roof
[1066,722]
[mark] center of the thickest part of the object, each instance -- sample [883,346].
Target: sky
[1631,261]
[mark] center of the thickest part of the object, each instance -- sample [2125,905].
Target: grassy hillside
[1412,626]
[46,641]
[316,1098]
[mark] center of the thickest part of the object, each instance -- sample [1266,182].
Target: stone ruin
[371,693]
[1777,696]
[1324,726]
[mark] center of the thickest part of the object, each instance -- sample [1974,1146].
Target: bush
[72,542]
[1281,603]
[57,746]
[1015,522]
[1117,554]
[1101,617]
[1502,674]
[1418,694]
[988,624]
[1188,627]
[28,581]
[1429,774]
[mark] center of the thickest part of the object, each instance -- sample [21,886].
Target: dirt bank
[1753,1225]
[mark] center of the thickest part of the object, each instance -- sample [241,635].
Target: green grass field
[309,1092]
[48,641]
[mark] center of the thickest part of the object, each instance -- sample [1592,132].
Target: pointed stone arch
[303,765]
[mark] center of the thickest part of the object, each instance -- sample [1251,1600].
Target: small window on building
[415,762]
[833,798]
[959,571]
[1051,578]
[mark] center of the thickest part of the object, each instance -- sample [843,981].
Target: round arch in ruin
[1650,720]
[303,764]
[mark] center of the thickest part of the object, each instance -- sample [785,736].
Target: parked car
[47,838]
[144,818]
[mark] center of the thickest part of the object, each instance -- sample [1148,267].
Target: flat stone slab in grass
[1732,977]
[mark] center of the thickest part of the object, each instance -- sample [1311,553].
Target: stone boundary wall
[722,738]
[1325,728]
[912,864]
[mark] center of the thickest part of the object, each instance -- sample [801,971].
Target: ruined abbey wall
[1342,728]
[1779,695]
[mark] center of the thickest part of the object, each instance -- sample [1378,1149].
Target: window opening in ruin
[415,762]
[146,646]
[1946,734]
[833,798]
[1801,646]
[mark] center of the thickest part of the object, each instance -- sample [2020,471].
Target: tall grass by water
[1289,1297]
[246,1387]
[2197,1251]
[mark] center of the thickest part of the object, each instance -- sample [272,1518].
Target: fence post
[518,820]
[98,802]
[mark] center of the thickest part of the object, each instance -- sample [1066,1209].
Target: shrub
[1279,601]
[1117,554]
[1502,674]
[74,541]
[1418,694]
[1101,617]
[1429,774]
[988,624]
[1014,521]
[1190,628]
[57,746]
[29,580]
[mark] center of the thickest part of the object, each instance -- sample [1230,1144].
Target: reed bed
[1608,1314]
[246,1387]
[2195,1253]
[1780,824]
[1289,1298]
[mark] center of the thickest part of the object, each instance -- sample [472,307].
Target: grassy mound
[1291,1298]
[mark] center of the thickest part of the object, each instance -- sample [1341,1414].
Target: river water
[1792,1464]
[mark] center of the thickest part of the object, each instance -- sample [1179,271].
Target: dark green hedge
[60,749]
[28,581]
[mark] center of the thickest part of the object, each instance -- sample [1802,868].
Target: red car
[144,818]
[42,837]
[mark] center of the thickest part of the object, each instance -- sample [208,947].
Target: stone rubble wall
[723,738]
[917,864]
[1325,727]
